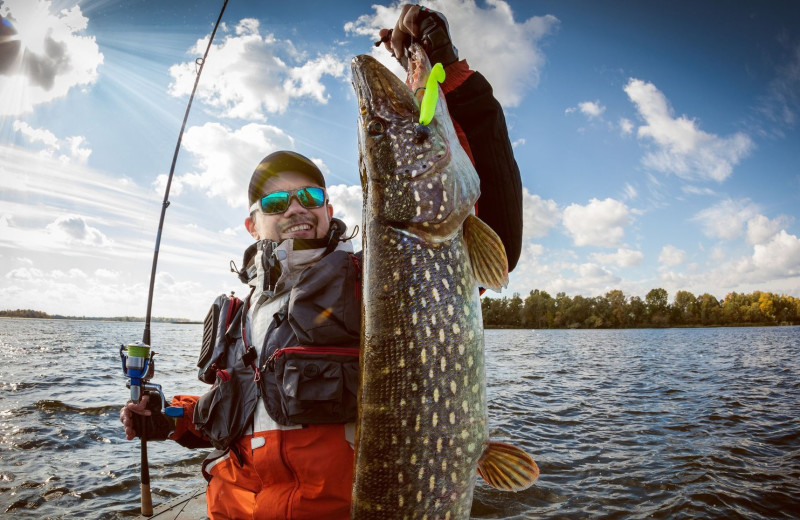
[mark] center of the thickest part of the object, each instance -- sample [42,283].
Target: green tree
[657,301]
[562,305]
[618,308]
[536,310]
[514,312]
[709,310]
[637,312]
[684,308]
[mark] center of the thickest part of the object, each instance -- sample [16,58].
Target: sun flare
[30,32]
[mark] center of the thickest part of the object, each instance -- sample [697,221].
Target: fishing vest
[307,371]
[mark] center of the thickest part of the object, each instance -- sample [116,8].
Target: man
[300,471]
[278,470]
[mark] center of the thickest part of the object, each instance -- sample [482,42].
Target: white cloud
[726,219]
[36,135]
[76,293]
[70,149]
[73,229]
[226,157]
[538,215]
[630,192]
[519,142]
[717,255]
[251,74]
[47,57]
[696,190]
[780,256]
[625,126]
[591,109]
[600,223]
[90,240]
[507,52]
[622,257]
[760,229]
[24,273]
[781,104]
[671,255]
[57,186]
[680,147]
[585,278]
[106,273]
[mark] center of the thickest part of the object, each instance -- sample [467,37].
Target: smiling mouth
[298,228]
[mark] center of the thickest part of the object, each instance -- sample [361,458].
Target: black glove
[158,425]
[435,36]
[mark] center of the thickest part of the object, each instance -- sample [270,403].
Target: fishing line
[147,504]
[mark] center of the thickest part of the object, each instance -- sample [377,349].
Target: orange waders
[299,474]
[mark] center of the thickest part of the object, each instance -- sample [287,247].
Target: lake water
[675,423]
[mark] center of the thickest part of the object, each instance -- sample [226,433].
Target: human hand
[422,24]
[126,415]
[395,40]
[147,416]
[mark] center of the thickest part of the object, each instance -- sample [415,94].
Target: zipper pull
[270,364]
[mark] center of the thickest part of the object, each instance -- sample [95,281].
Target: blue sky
[658,141]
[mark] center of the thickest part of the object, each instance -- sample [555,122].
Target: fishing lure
[427,106]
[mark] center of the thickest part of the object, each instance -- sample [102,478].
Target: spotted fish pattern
[422,432]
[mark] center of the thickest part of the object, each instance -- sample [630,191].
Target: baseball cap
[277,162]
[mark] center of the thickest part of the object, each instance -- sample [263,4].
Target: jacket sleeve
[185,432]
[479,120]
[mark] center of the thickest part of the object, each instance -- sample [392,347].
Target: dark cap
[277,162]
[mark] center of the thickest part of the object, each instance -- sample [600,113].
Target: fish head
[419,180]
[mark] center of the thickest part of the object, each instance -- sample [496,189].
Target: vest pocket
[317,385]
[224,412]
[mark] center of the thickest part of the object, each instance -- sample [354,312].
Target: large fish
[422,425]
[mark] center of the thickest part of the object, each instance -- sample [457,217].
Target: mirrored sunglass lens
[311,197]
[276,202]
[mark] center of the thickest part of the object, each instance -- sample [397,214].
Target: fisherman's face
[297,221]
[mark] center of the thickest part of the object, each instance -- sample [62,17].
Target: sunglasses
[276,202]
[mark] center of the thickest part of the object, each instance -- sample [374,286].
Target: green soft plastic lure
[428,105]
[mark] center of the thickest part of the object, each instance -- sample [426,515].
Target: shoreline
[173,321]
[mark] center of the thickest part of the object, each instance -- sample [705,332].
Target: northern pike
[422,429]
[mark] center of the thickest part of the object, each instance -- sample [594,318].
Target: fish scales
[422,426]
[423,389]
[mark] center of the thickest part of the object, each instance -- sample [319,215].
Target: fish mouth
[385,97]
[378,87]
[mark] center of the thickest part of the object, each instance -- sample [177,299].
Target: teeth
[301,227]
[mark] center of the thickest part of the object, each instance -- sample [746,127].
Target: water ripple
[664,424]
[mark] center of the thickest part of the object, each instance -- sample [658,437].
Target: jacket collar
[292,262]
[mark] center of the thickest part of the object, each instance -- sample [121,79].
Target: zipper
[303,349]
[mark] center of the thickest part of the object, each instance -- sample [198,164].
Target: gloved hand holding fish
[422,430]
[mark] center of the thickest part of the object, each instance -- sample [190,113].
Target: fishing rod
[138,363]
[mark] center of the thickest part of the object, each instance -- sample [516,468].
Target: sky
[659,142]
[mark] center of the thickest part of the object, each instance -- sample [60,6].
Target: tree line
[540,310]
[29,313]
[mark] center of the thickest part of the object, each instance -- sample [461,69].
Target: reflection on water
[676,423]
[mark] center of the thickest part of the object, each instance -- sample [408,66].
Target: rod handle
[147,501]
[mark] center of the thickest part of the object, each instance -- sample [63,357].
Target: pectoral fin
[507,468]
[487,254]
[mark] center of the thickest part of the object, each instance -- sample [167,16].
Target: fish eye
[376,127]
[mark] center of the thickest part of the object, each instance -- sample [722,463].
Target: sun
[28,26]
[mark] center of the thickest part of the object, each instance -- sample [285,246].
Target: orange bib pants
[297,474]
